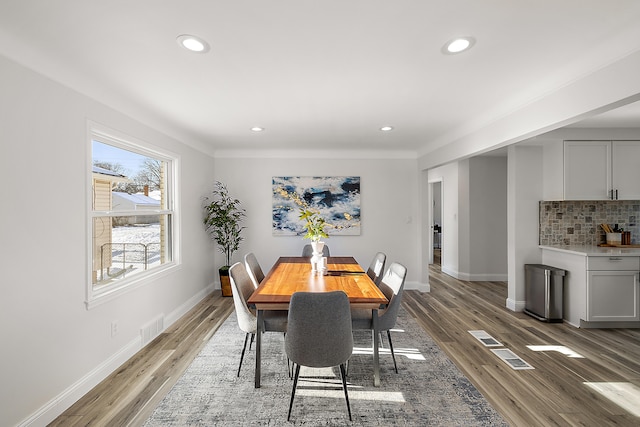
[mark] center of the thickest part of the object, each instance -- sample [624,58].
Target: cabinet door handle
[616,194]
[611,258]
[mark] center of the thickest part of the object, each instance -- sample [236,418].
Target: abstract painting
[336,198]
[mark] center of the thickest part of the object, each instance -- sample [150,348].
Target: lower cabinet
[612,296]
[613,289]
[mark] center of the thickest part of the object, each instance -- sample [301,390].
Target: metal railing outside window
[117,260]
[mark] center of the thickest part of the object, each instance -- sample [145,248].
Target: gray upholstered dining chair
[242,288]
[392,285]
[376,269]
[316,340]
[307,251]
[254,269]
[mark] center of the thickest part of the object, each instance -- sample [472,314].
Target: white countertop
[590,250]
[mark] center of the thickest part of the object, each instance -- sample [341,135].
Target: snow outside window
[131,215]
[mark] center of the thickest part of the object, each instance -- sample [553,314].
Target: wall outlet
[114,328]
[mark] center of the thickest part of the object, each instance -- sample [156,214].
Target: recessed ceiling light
[193,43]
[386,128]
[257,129]
[458,45]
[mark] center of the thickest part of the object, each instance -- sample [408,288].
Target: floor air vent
[486,339]
[152,329]
[511,359]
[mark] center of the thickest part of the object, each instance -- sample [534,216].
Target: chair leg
[293,390]
[290,368]
[290,365]
[252,337]
[392,353]
[246,337]
[344,386]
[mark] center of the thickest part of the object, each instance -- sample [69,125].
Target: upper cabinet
[626,169]
[602,170]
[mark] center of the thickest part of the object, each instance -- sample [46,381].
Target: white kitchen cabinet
[601,170]
[613,290]
[626,169]
[612,296]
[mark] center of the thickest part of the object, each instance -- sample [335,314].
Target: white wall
[464,221]
[598,91]
[488,218]
[524,189]
[474,200]
[53,348]
[390,221]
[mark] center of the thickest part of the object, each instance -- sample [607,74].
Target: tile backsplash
[578,222]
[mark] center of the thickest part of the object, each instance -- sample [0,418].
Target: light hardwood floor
[552,394]
[129,395]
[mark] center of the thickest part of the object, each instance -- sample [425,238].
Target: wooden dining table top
[294,274]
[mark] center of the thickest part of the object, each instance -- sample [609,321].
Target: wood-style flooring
[128,396]
[553,394]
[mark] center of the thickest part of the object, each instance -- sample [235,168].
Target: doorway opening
[436,221]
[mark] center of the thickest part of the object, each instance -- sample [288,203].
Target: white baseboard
[514,305]
[484,277]
[418,286]
[449,272]
[56,406]
[498,277]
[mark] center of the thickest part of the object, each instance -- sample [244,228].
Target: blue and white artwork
[336,198]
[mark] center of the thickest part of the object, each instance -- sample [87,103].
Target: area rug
[428,389]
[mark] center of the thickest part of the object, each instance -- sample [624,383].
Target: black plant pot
[225,282]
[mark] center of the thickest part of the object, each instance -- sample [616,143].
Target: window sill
[101,296]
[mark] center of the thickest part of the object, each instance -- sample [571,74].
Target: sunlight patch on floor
[559,348]
[409,353]
[338,393]
[626,395]
[326,382]
[306,371]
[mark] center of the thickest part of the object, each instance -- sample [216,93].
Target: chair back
[319,329]
[254,269]
[307,251]
[376,268]
[392,286]
[242,288]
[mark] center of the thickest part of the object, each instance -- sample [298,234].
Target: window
[131,215]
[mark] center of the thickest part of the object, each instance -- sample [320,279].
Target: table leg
[258,347]
[376,344]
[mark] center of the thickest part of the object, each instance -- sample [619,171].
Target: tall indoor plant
[223,217]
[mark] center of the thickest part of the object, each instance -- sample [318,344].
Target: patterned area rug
[428,390]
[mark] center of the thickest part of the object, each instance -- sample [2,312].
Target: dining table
[295,274]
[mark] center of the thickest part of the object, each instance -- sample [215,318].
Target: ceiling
[319,74]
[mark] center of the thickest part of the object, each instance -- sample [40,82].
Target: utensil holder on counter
[614,238]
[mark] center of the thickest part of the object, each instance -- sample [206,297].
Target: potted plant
[223,216]
[314,226]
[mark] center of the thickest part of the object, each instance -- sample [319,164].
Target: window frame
[96,295]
